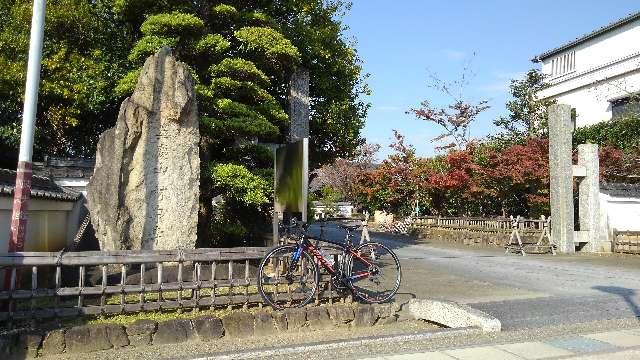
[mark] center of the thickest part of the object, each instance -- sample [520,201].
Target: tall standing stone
[294,158]
[561,177]
[145,187]
[589,197]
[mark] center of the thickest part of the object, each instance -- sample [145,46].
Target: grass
[126,319]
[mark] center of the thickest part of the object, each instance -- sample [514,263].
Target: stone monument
[560,177]
[145,188]
[592,235]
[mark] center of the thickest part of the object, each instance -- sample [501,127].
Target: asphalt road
[523,292]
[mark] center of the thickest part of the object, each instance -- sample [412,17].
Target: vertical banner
[291,181]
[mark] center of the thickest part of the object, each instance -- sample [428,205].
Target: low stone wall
[627,242]
[480,238]
[480,231]
[238,324]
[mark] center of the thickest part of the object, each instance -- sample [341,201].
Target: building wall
[592,101]
[48,226]
[591,74]
[618,213]
[341,210]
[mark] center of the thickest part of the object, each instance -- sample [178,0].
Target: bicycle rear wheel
[373,272]
[284,286]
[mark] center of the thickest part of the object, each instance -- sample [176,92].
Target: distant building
[321,210]
[597,73]
[57,206]
[54,213]
[69,173]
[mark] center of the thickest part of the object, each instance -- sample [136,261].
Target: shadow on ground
[629,296]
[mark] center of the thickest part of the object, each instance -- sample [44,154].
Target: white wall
[606,67]
[48,225]
[344,210]
[619,214]
[603,49]
[592,101]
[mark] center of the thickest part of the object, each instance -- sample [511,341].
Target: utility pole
[22,192]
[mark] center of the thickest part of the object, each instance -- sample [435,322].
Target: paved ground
[620,344]
[523,292]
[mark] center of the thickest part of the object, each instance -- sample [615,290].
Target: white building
[596,73]
[54,214]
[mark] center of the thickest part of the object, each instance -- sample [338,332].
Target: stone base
[452,314]
[239,324]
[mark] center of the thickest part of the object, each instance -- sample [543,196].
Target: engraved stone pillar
[561,178]
[298,106]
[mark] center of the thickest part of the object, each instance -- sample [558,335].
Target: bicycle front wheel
[284,282]
[374,272]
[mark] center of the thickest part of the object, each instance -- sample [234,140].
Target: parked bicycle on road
[288,276]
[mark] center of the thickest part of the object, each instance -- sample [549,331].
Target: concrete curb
[453,315]
[338,344]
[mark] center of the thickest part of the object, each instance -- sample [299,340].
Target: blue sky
[400,41]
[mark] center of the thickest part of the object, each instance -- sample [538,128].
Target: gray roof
[41,187]
[64,168]
[614,25]
[619,189]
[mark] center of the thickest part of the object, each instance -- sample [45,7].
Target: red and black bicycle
[288,276]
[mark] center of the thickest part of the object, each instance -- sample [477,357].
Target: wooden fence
[45,285]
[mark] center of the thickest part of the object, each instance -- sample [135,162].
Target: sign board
[292,179]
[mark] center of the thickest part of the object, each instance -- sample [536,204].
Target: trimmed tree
[242,58]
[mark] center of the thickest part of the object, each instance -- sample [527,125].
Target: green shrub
[623,133]
[224,12]
[244,91]
[256,18]
[241,126]
[127,84]
[213,44]
[239,184]
[148,46]
[239,69]
[172,24]
[269,42]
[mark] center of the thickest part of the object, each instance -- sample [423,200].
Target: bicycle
[288,275]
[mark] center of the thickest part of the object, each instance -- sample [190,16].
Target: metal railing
[45,285]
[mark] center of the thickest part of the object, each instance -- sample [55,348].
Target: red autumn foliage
[479,180]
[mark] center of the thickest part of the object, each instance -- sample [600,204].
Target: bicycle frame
[305,245]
